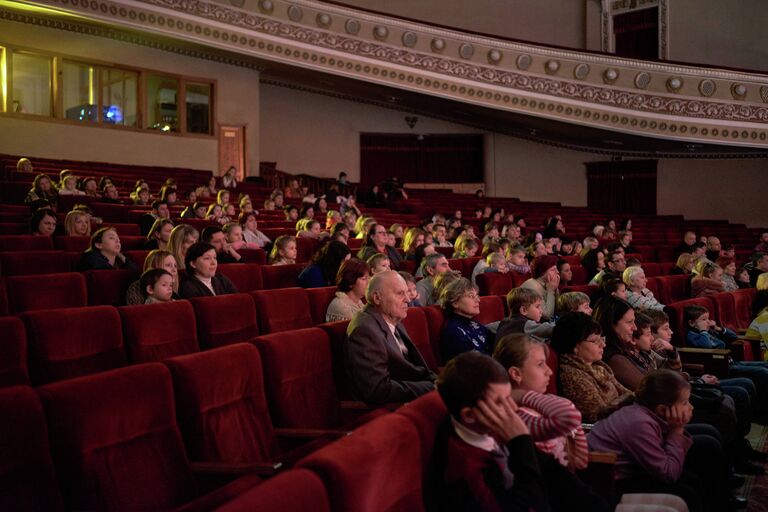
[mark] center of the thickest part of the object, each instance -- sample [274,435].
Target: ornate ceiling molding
[643,98]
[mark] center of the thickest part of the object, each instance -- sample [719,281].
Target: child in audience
[283,251]
[104,252]
[709,281]
[182,238]
[77,224]
[496,263]
[485,455]
[573,301]
[234,234]
[566,274]
[379,263]
[413,293]
[524,315]
[156,286]
[68,184]
[215,214]
[516,260]
[466,247]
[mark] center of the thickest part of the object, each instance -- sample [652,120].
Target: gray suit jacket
[373,361]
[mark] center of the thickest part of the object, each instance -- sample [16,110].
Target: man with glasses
[615,264]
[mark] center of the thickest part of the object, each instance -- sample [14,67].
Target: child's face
[500,266]
[381,265]
[683,402]
[532,311]
[289,252]
[664,332]
[391,240]
[742,276]
[163,289]
[621,292]
[566,274]
[235,235]
[535,373]
[517,258]
[644,341]
[412,292]
[584,308]
[702,323]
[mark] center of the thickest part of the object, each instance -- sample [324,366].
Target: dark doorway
[443,158]
[637,34]
[622,186]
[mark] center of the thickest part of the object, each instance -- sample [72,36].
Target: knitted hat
[543,263]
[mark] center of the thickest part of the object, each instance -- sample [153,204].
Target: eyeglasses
[380,233]
[473,296]
[597,341]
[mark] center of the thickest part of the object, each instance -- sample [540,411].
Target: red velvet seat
[245,276]
[416,326]
[71,243]
[33,263]
[589,289]
[666,267]
[68,343]
[674,288]
[337,337]
[408,266]
[27,477]
[282,310]
[665,253]
[579,275]
[647,252]
[652,269]
[305,248]
[675,311]
[14,228]
[221,407]
[253,256]
[573,259]
[435,318]
[377,468]
[126,229]
[10,243]
[153,332]
[137,256]
[742,303]
[653,285]
[116,445]
[491,309]
[4,308]
[280,276]
[455,264]
[469,265]
[13,353]
[46,291]
[494,283]
[426,413]
[225,319]
[319,300]
[725,310]
[295,490]
[108,287]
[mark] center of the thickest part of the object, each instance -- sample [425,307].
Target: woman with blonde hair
[182,237]
[413,238]
[76,223]
[684,264]
[155,259]
[68,184]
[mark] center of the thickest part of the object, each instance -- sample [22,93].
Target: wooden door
[232,150]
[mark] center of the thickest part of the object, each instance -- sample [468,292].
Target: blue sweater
[312,277]
[461,334]
[710,339]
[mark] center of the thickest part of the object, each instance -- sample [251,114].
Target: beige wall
[237,103]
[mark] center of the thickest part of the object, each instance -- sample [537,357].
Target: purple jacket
[642,442]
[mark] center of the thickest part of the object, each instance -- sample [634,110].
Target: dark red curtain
[452,158]
[622,186]
[637,34]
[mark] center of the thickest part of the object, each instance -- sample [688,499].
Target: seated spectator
[222,198]
[761,297]
[614,288]
[708,282]
[269,204]
[460,332]
[615,264]
[156,286]
[332,217]
[283,251]
[140,196]
[442,281]
[307,211]
[293,190]
[110,194]
[309,228]
[42,188]
[68,184]
[195,210]
[684,264]
[625,240]
[229,180]
[759,266]
[24,165]
[565,272]
[291,213]
[349,205]
[584,378]
[104,252]
[572,302]
[687,245]
[480,266]
[201,279]
[439,235]
[235,237]
[432,266]
[397,230]
[728,265]
[742,278]
[379,263]
[156,259]
[324,266]
[422,252]
[593,261]
[759,326]
[376,242]
[466,247]
[413,238]
[321,207]
[159,211]
[380,359]
[90,187]
[496,263]
[43,222]
[215,214]
[76,223]
[762,246]
[525,315]
[225,253]
[490,233]
[488,457]
[714,248]
[545,281]
[516,260]
[413,293]
[351,281]
[182,237]
[159,235]
[638,296]
[340,232]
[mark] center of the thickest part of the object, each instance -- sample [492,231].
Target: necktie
[400,344]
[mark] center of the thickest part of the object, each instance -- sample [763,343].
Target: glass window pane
[31,84]
[119,96]
[162,109]
[79,93]
[198,108]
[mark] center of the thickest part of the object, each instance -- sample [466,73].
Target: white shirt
[207,282]
[400,344]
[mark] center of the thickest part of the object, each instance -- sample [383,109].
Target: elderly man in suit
[381,360]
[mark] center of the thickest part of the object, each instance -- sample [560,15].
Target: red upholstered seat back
[245,276]
[108,287]
[724,307]
[653,285]
[33,263]
[674,288]
[27,478]
[742,303]
[282,310]
[494,283]
[114,440]
[298,375]
[295,490]
[13,353]
[153,332]
[72,243]
[416,326]
[652,269]
[337,336]
[225,319]
[427,413]
[491,309]
[25,243]
[253,256]
[305,248]
[579,275]
[220,405]
[590,290]
[407,265]
[137,255]
[517,279]
[280,276]
[67,343]
[377,468]
[319,299]
[676,318]
[46,291]
[435,318]
[666,267]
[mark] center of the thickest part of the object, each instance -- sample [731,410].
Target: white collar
[472,438]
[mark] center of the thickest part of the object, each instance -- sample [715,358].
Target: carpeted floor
[756,488]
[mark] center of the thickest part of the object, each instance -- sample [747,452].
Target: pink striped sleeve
[559,417]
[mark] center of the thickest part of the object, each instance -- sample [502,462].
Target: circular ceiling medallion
[581,71]
[494,56]
[409,39]
[674,84]
[707,88]
[323,20]
[352,27]
[437,45]
[610,75]
[266,6]
[551,67]
[466,51]
[523,61]
[739,91]
[295,13]
[380,32]
[642,80]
